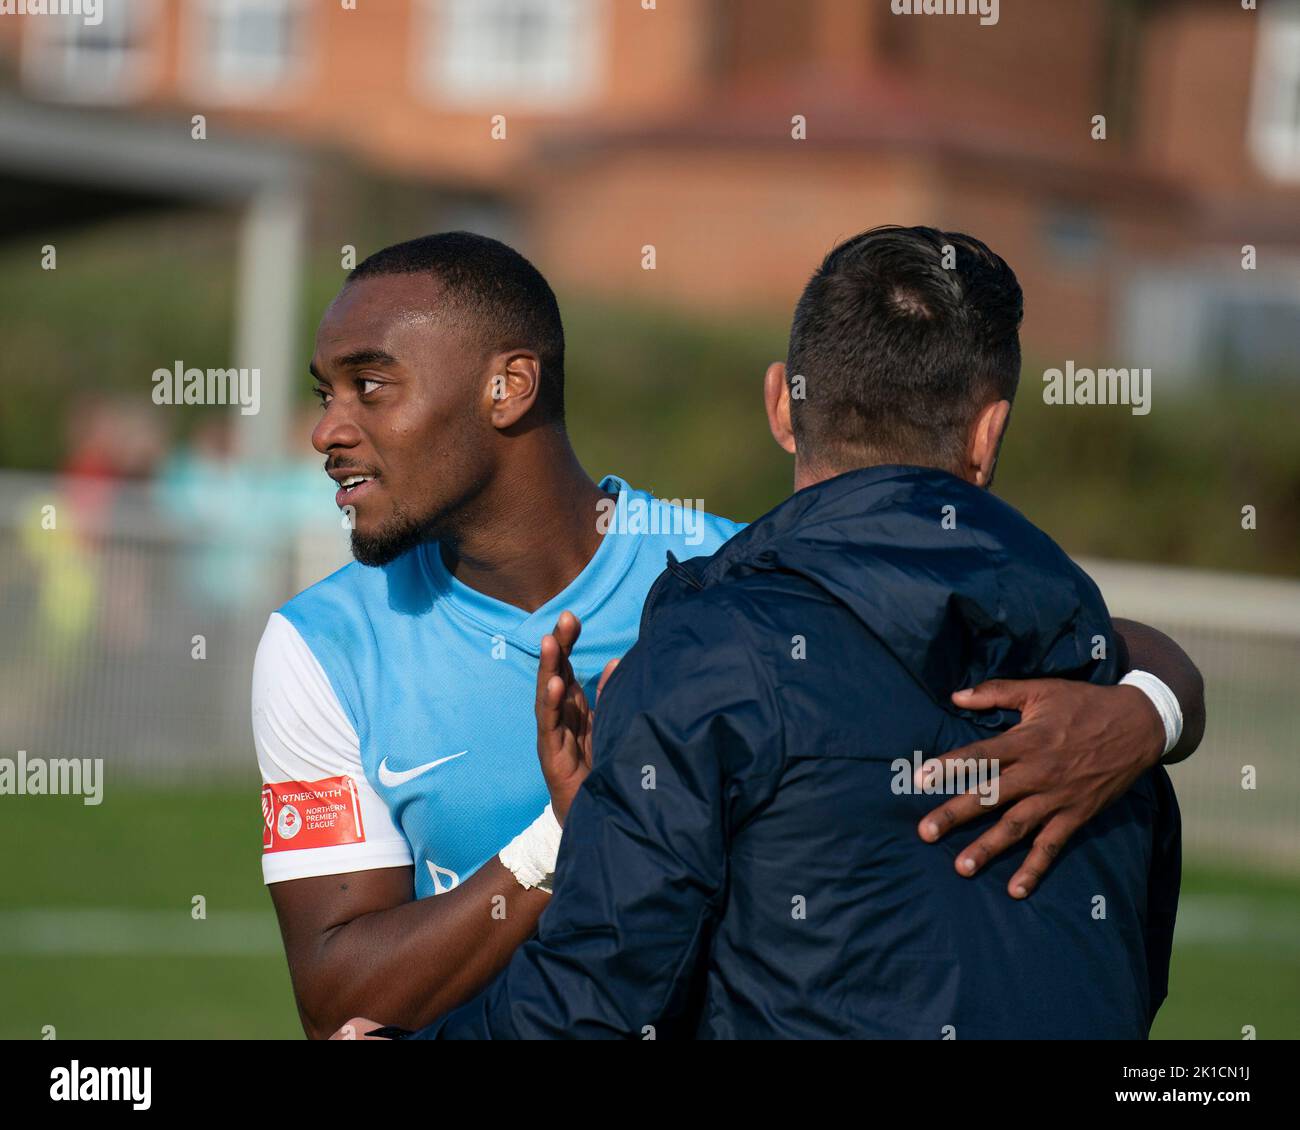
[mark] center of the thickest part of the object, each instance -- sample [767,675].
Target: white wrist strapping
[531,855]
[1163,699]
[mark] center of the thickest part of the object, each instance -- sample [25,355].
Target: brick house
[673,123]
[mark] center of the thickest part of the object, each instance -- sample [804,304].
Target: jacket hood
[957,585]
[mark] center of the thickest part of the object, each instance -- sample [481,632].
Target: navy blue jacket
[743,860]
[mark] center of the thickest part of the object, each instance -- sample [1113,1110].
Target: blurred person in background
[240,515]
[112,446]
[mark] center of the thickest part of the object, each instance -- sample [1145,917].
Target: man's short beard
[400,534]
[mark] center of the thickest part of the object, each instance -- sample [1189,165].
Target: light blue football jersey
[430,670]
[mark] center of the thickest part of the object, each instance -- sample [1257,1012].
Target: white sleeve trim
[303,734]
[308,863]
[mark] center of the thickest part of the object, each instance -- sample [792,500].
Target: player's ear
[514,380]
[776,399]
[984,440]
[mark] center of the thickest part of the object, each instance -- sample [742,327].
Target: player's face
[402,425]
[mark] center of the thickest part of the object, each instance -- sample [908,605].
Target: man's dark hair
[504,300]
[901,335]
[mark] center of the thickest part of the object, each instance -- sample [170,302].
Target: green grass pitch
[98,937]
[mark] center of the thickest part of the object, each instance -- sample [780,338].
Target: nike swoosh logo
[390,779]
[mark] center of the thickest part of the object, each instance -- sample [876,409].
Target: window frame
[204,67]
[50,71]
[1275,142]
[439,85]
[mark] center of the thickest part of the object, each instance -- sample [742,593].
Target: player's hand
[1078,747]
[357,1029]
[564,718]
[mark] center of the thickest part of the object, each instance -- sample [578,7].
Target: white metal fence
[1244,634]
[100,614]
[130,628]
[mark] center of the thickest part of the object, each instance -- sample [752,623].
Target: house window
[1192,320]
[68,59]
[502,52]
[1275,112]
[1256,338]
[244,49]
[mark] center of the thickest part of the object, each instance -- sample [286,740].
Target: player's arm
[1077,748]
[357,941]
[361,944]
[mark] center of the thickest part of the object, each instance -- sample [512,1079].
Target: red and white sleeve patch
[311,814]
